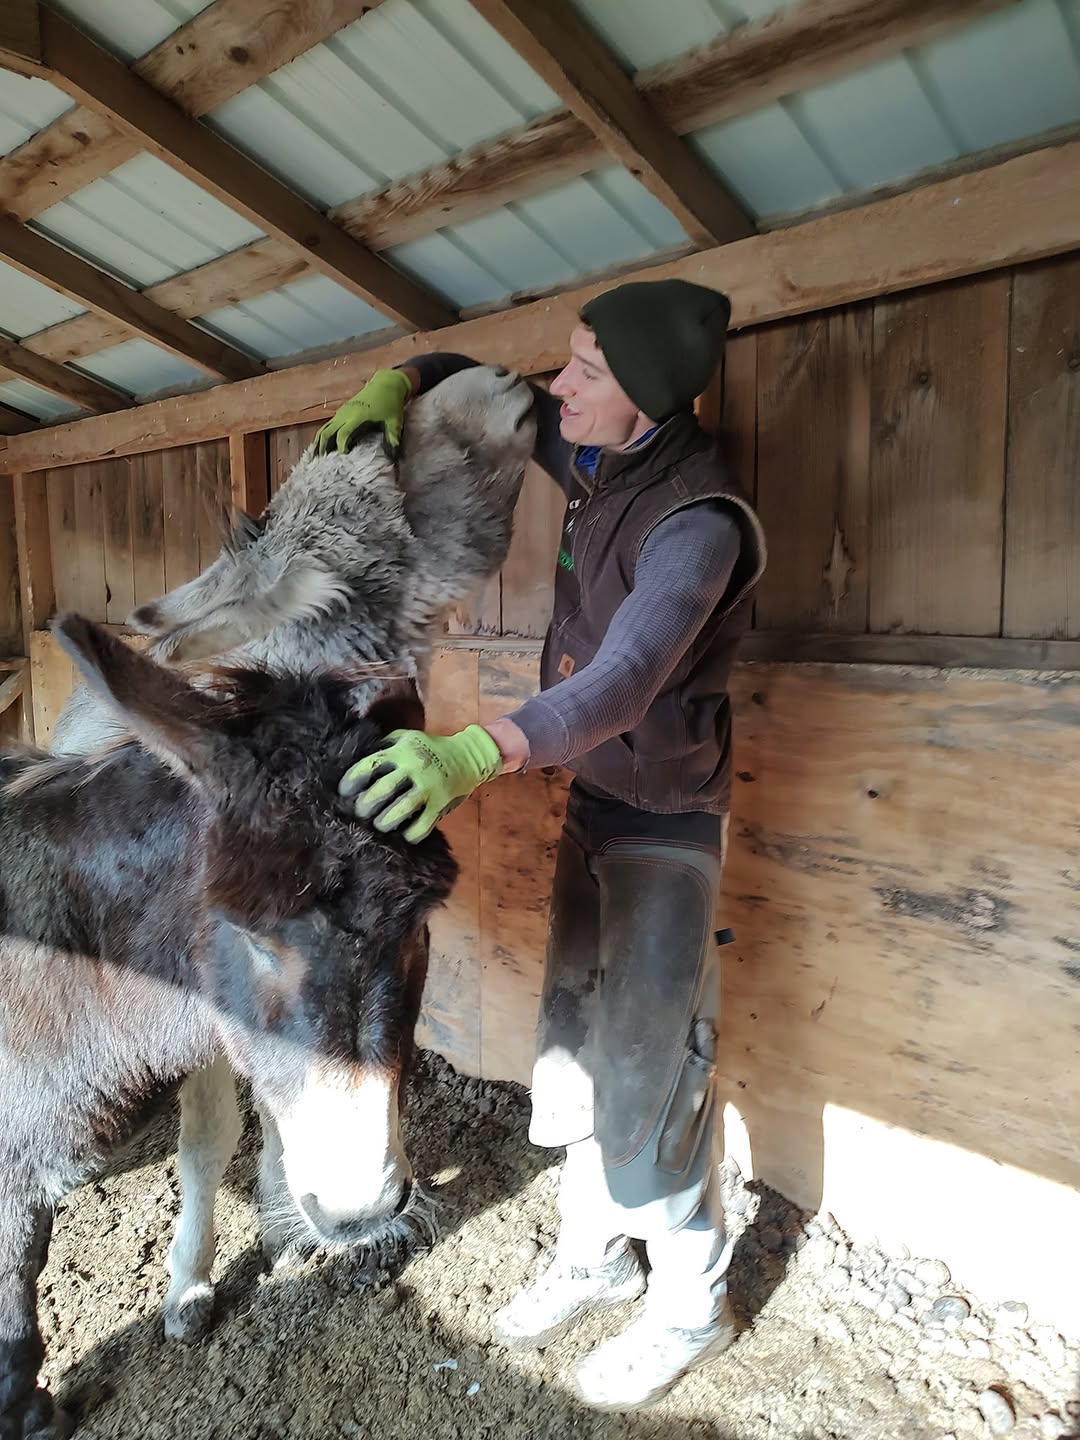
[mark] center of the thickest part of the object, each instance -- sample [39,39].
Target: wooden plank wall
[125,531]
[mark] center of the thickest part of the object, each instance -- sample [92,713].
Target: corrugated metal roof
[27,305]
[144,222]
[309,312]
[27,106]
[396,92]
[32,401]
[141,368]
[129,27]
[642,34]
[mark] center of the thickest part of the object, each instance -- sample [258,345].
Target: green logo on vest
[565,562]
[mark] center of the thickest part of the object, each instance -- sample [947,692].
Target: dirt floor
[840,1344]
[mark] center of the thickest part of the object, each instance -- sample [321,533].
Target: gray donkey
[355,560]
[352,566]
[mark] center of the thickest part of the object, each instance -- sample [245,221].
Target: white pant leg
[688,1274]
[588,1217]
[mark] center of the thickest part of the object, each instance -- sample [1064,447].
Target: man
[660,553]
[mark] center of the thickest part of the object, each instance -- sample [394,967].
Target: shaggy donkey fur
[155,917]
[355,561]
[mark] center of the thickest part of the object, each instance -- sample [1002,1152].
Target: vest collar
[624,469]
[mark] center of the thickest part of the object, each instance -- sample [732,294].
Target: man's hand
[420,778]
[380,405]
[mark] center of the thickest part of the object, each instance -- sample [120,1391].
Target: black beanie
[662,340]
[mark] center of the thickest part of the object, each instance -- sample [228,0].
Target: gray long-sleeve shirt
[682,573]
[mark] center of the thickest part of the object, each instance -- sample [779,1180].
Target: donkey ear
[157,705]
[236,601]
[397,707]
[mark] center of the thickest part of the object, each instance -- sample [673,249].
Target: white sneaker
[644,1362]
[548,1307]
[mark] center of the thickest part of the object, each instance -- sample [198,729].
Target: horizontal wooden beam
[62,380]
[104,85]
[224,49]
[946,652]
[559,44]
[20,35]
[42,259]
[1020,210]
[800,46]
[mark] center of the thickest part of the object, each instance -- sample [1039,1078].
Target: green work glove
[380,405]
[420,778]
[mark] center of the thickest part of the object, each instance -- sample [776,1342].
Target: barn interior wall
[903,879]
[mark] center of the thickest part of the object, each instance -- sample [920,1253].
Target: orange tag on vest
[566,666]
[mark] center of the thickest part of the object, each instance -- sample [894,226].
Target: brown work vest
[678,758]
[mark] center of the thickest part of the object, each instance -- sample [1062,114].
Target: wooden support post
[37,592]
[249,472]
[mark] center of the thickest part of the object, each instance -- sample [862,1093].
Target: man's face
[596,410]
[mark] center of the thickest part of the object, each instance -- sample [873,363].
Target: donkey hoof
[190,1318]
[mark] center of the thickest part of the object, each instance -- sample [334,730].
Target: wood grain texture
[528,577]
[1042,498]
[89,595]
[147,528]
[813,465]
[180,506]
[450,1017]
[937,459]
[1021,210]
[119,558]
[11,626]
[37,594]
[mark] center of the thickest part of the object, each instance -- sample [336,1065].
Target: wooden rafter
[226,48]
[42,259]
[569,56]
[1021,210]
[806,44]
[104,85]
[60,380]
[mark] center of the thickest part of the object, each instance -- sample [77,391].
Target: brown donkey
[193,897]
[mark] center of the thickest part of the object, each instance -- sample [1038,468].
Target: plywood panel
[813,471]
[52,679]
[738,415]
[214,498]
[180,507]
[119,560]
[90,596]
[528,577]
[63,536]
[937,459]
[1042,530]
[520,820]
[147,527]
[11,636]
[450,1018]
[286,447]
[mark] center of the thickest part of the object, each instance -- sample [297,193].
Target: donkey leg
[25,1410]
[278,1215]
[209,1132]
